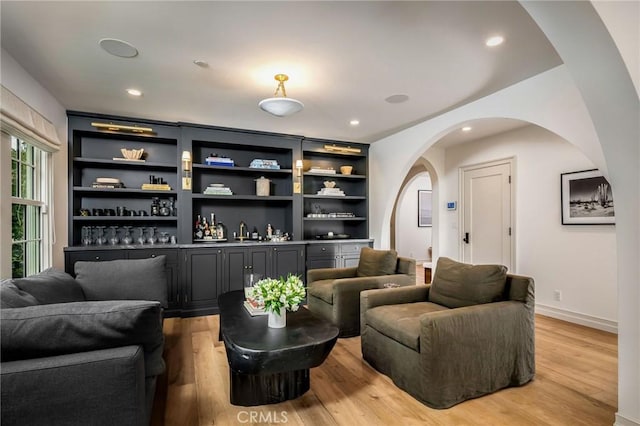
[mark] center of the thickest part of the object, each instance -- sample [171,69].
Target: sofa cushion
[65,328]
[322,289]
[458,284]
[12,297]
[401,322]
[51,286]
[376,262]
[124,279]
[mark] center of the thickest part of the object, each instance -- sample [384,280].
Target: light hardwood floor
[575,384]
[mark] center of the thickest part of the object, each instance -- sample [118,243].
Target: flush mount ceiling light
[281,106]
[134,92]
[494,41]
[118,48]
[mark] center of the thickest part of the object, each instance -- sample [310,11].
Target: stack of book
[323,171]
[218,189]
[259,163]
[252,305]
[333,192]
[219,161]
[109,183]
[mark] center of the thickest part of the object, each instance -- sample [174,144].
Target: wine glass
[114,240]
[101,238]
[141,239]
[127,239]
[164,237]
[86,236]
[152,239]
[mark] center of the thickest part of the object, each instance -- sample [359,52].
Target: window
[29,201]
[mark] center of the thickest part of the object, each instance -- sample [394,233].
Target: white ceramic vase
[277,321]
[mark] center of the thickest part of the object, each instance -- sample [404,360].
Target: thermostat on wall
[451,205]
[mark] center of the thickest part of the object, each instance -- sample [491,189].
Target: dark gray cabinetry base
[334,255]
[73,255]
[196,276]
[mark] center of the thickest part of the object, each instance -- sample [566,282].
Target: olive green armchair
[334,293]
[468,334]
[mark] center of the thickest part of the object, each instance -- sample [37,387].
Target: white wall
[412,241]
[580,261]
[21,84]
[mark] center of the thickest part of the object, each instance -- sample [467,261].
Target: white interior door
[486,214]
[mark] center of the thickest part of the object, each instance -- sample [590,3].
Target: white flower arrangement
[279,293]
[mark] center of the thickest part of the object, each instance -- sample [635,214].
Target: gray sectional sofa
[84,350]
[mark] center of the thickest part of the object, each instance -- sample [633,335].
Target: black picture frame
[425,208]
[586,198]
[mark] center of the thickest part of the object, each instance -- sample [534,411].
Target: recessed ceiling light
[134,92]
[494,41]
[118,48]
[354,122]
[466,129]
[397,99]
[201,63]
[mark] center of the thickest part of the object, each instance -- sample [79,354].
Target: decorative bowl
[132,154]
[346,170]
[329,183]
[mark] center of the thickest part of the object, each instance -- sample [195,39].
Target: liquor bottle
[269,231]
[213,221]
[206,229]
[198,232]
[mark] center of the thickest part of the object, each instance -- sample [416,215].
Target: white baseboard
[623,421]
[578,318]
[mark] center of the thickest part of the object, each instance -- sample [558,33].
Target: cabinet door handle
[323,249]
[153,255]
[250,267]
[97,257]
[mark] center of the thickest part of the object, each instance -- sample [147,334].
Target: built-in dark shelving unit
[197,272]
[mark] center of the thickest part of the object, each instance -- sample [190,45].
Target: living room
[569,125]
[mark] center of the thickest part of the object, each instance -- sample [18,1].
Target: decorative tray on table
[332,237]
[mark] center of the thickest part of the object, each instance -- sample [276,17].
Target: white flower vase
[277,320]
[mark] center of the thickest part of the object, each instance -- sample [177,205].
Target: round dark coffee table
[271,365]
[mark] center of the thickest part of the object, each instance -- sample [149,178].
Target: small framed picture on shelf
[425,208]
[586,199]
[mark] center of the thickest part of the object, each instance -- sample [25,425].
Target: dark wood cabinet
[334,255]
[203,281]
[240,261]
[288,259]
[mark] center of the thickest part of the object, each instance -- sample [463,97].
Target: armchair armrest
[393,296]
[330,273]
[83,387]
[473,344]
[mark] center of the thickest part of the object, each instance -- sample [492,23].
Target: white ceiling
[343,59]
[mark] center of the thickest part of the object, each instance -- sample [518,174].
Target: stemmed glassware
[101,239]
[87,240]
[141,238]
[152,239]
[114,240]
[127,239]
[164,237]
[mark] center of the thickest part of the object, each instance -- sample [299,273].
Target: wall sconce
[111,127]
[297,186]
[186,170]
[342,149]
